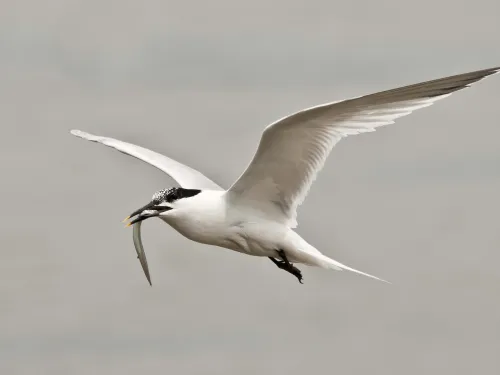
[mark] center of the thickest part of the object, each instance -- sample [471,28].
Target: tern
[257,214]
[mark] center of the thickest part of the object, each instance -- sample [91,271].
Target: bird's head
[162,201]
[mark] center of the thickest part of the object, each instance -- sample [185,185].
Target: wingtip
[485,73]
[76,132]
[82,134]
[492,71]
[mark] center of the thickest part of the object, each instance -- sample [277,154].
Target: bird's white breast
[202,218]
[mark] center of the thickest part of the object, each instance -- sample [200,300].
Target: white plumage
[257,213]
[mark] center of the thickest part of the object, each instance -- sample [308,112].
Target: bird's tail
[333,264]
[301,251]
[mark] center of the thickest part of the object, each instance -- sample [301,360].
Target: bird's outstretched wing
[185,176]
[293,150]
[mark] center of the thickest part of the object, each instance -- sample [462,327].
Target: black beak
[150,206]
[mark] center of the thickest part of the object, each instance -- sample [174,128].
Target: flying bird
[257,214]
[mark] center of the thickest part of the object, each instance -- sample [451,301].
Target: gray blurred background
[415,203]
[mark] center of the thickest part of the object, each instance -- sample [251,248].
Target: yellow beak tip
[128,224]
[124,220]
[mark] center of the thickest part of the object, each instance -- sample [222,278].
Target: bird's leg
[287,266]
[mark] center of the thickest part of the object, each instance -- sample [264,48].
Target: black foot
[287,266]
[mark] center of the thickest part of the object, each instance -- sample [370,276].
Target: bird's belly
[246,238]
[201,231]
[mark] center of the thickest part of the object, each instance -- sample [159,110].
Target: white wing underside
[293,150]
[185,176]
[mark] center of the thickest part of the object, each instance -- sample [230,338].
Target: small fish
[141,255]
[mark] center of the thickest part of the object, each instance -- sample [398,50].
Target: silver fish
[141,255]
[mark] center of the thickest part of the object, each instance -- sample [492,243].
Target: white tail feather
[333,264]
